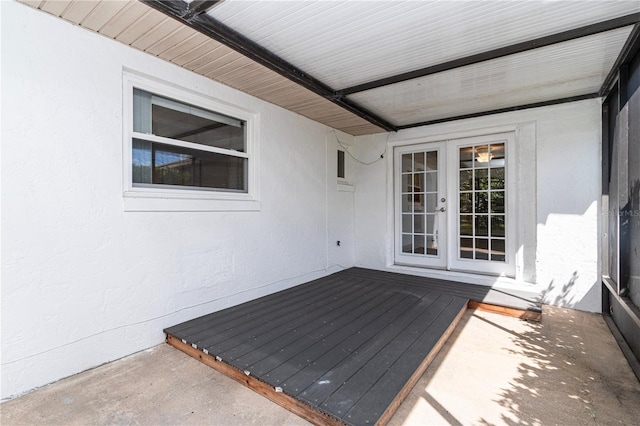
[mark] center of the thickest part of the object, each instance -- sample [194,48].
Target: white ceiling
[346,43]
[558,71]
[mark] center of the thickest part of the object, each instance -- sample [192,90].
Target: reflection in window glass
[162,164]
[481,194]
[419,197]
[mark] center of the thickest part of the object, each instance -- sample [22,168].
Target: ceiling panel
[345,43]
[573,68]
[103,13]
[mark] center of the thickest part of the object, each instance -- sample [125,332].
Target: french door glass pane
[481,194]
[419,199]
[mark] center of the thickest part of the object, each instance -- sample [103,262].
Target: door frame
[521,249]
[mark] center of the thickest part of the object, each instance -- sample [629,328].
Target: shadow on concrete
[565,375]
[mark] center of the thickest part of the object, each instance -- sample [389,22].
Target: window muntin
[180,146]
[419,194]
[482,217]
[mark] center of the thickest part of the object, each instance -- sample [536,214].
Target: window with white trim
[187,151]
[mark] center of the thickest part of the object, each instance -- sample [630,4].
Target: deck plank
[344,348]
[354,322]
[338,373]
[226,334]
[271,301]
[345,397]
[308,324]
[374,402]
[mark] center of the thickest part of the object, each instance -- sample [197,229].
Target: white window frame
[173,198]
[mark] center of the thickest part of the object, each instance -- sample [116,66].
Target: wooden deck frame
[290,403]
[319,413]
[504,310]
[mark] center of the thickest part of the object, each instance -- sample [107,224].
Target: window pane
[497,250]
[141,161]
[466,248]
[406,183]
[481,156]
[172,165]
[418,244]
[497,226]
[407,243]
[406,223]
[141,111]
[432,202]
[432,223]
[497,178]
[407,163]
[497,202]
[418,224]
[431,181]
[482,179]
[466,205]
[482,202]
[179,125]
[432,161]
[482,225]
[418,162]
[418,203]
[482,249]
[466,180]
[466,157]
[497,154]
[418,182]
[407,203]
[432,246]
[466,225]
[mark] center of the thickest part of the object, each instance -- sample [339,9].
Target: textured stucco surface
[561,237]
[85,282]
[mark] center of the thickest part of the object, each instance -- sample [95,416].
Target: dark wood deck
[346,348]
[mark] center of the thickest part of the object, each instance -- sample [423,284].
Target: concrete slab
[493,370]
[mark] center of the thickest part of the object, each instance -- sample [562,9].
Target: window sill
[169,201]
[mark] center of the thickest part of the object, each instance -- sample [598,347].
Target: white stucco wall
[562,262]
[83,281]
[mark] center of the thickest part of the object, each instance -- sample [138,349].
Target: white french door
[454,204]
[421,219]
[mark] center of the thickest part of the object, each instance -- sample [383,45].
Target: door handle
[442,209]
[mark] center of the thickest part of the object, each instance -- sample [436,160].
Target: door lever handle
[442,209]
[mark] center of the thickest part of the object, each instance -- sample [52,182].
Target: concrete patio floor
[568,370]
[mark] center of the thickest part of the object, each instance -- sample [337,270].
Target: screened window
[181,146]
